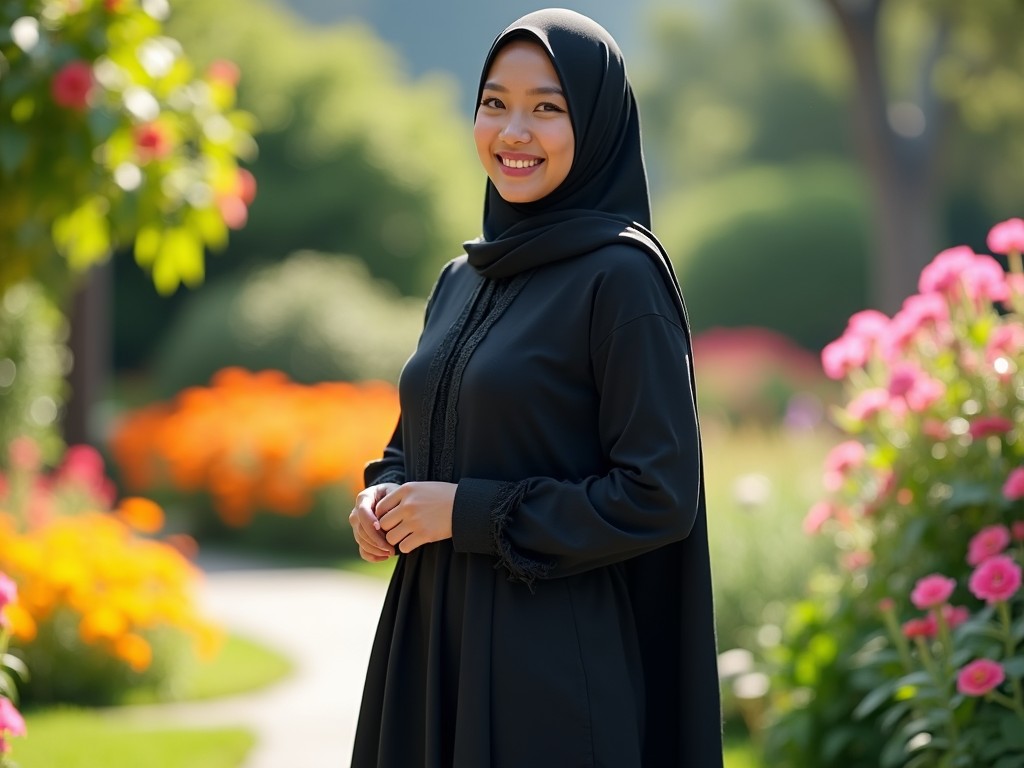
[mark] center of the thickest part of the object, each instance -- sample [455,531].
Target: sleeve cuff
[472,529]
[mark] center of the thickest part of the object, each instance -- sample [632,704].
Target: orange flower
[142,514]
[22,625]
[135,651]
[104,623]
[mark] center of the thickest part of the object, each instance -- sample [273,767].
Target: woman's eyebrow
[544,89]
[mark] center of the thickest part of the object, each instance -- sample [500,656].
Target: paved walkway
[323,620]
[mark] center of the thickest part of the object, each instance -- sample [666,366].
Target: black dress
[566,623]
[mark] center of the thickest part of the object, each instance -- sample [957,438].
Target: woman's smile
[517,164]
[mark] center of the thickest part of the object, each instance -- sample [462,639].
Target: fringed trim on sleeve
[519,566]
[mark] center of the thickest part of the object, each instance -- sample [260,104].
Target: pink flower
[869,325]
[11,721]
[955,615]
[984,279]
[935,429]
[868,403]
[983,426]
[8,591]
[932,590]
[24,454]
[942,275]
[72,85]
[924,627]
[917,389]
[1017,530]
[817,516]
[1005,341]
[224,71]
[996,579]
[920,313]
[83,467]
[843,355]
[840,461]
[1007,236]
[989,541]
[979,677]
[853,561]
[1013,488]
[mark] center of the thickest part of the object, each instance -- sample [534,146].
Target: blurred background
[806,159]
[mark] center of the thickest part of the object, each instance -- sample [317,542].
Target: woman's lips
[519,165]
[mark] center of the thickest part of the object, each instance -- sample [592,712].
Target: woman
[551,606]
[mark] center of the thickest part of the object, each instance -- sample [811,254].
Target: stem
[1007,621]
[1006,701]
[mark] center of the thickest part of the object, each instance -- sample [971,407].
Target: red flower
[919,627]
[233,210]
[72,85]
[984,426]
[152,141]
[955,615]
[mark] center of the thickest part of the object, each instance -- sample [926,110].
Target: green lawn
[70,738]
[739,753]
[64,737]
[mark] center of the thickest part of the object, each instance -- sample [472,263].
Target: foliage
[756,376]
[107,137]
[315,317]
[356,159]
[784,249]
[72,738]
[257,441]
[709,111]
[935,411]
[33,362]
[101,608]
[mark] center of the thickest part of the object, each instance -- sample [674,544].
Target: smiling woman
[523,132]
[543,491]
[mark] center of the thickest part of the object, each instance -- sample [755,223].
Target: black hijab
[604,198]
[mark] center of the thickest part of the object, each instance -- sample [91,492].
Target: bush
[756,376]
[101,607]
[255,442]
[780,249]
[935,460]
[314,317]
[33,363]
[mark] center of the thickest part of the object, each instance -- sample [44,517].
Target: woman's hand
[417,513]
[373,547]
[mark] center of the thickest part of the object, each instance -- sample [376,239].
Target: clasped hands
[404,516]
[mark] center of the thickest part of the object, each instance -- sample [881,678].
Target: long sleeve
[647,497]
[390,468]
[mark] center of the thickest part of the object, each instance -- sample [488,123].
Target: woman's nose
[515,130]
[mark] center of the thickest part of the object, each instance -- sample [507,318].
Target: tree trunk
[89,343]
[900,169]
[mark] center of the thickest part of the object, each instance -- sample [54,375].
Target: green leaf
[165,277]
[13,148]
[102,124]
[1014,667]
[147,245]
[1012,731]
[16,665]
[83,236]
[874,700]
[185,251]
[211,227]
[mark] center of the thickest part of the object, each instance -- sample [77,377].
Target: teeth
[519,163]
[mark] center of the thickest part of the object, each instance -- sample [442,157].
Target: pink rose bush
[927,490]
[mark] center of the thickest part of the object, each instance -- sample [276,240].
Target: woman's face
[523,133]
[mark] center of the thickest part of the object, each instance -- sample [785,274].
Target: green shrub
[33,362]
[315,317]
[784,249]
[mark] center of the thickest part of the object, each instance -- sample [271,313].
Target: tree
[921,71]
[107,138]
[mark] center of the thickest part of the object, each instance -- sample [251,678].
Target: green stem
[1006,701]
[1007,622]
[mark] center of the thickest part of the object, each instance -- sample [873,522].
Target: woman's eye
[549,107]
[492,102]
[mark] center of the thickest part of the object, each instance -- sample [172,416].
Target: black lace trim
[519,566]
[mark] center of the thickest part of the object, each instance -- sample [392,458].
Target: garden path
[323,620]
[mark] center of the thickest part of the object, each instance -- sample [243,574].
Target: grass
[241,666]
[72,738]
[66,737]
